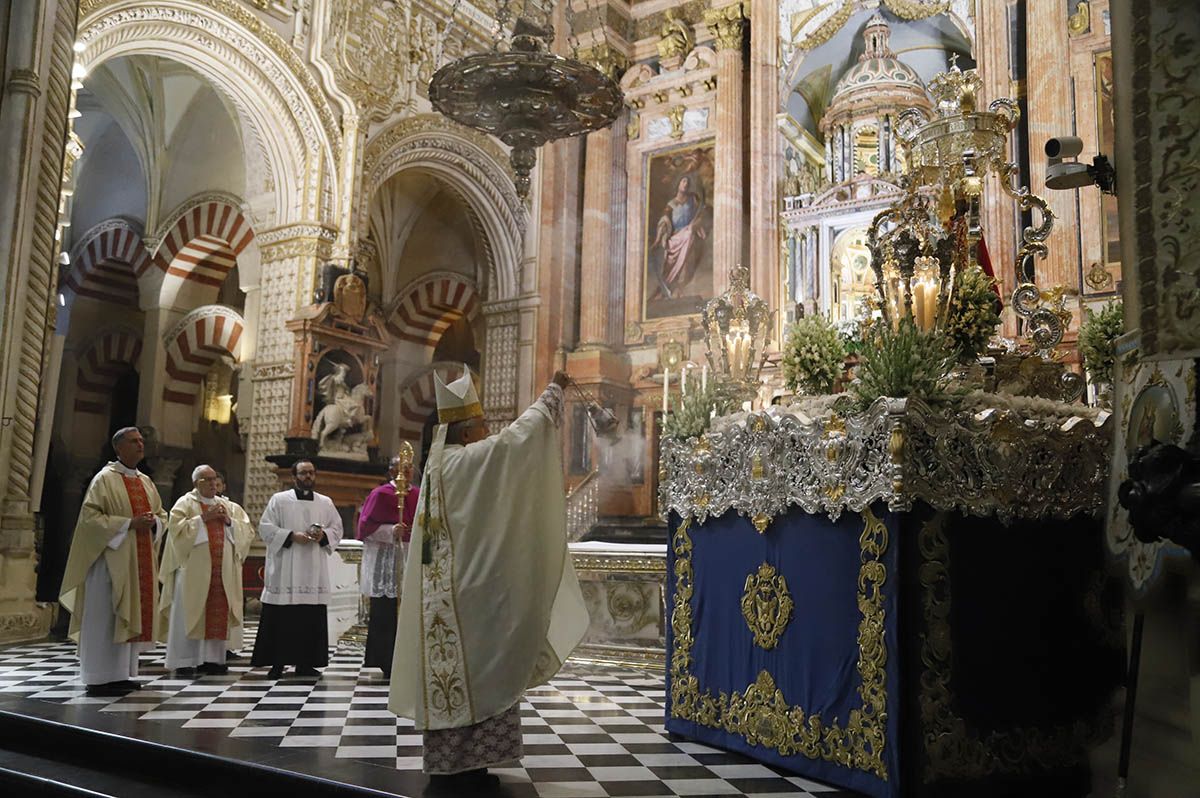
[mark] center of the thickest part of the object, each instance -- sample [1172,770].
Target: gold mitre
[458,400]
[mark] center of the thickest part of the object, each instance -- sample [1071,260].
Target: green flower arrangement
[902,362]
[1097,339]
[973,315]
[813,356]
[693,416]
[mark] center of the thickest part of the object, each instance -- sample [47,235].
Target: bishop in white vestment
[201,574]
[301,529]
[491,605]
[109,586]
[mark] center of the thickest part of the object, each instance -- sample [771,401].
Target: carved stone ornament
[367,40]
[767,606]
[350,296]
[675,40]
[994,462]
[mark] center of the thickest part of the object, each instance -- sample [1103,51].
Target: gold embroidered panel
[761,714]
[766,606]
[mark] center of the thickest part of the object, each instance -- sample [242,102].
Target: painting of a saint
[678,275]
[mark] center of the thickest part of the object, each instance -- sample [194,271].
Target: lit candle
[666,388]
[704,378]
[683,375]
[918,287]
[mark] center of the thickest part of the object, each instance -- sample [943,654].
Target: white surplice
[299,573]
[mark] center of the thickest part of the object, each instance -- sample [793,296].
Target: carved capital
[728,25]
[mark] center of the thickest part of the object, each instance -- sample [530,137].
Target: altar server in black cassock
[301,528]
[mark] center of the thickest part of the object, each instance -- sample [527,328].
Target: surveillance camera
[1064,147]
[1068,175]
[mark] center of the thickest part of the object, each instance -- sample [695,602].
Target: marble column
[1050,114]
[35,76]
[728,26]
[765,153]
[599,296]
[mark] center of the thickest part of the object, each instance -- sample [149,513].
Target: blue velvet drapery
[816,664]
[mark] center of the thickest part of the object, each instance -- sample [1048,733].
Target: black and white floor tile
[593,731]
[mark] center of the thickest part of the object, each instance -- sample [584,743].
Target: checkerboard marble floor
[593,731]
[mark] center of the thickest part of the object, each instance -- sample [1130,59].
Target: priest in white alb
[110,584]
[200,607]
[491,605]
[301,529]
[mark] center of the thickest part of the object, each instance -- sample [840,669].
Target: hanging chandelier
[525,95]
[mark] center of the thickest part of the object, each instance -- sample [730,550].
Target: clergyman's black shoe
[128,685]
[185,673]
[105,691]
[213,669]
[308,672]
[275,672]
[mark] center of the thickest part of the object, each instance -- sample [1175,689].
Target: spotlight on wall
[78,47]
[64,259]
[62,300]
[79,71]
[1068,175]
[74,113]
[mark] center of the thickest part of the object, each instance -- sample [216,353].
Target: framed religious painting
[1101,277]
[677,241]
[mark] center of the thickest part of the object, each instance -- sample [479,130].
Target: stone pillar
[153,361]
[765,154]
[500,360]
[600,279]
[35,70]
[728,26]
[289,260]
[596,262]
[1050,114]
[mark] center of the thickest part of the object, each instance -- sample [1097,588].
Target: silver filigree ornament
[900,451]
[526,96]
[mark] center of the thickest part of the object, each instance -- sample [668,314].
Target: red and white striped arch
[199,250]
[418,399]
[194,345]
[106,263]
[430,305]
[114,353]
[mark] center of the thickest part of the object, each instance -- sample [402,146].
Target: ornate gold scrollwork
[760,714]
[952,748]
[767,606]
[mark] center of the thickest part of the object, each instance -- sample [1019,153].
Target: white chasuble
[298,573]
[104,582]
[185,573]
[491,605]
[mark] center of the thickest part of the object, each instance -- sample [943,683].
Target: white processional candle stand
[666,388]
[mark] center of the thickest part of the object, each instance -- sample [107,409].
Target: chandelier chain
[445,37]
[503,15]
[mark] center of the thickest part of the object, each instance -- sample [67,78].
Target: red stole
[138,502]
[216,605]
